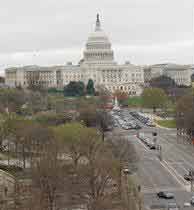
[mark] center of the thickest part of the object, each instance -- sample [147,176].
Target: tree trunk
[8,153]
[120,182]
[103,135]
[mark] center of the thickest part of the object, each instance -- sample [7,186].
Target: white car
[187,204]
[173,206]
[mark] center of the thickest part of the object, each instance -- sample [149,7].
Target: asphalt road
[167,175]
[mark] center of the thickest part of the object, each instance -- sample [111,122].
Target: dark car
[188,177]
[166,195]
[151,145]
[192,200]
[137,127]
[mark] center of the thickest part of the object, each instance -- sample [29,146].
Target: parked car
[173,206]
[146,140]
[151,124]
[187,204]
[188,177]
[151,145]
[166,195]
[137,127]
[192,201]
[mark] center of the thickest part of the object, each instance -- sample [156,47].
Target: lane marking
[175,171]
[140,142]
[184,168]
[174,174]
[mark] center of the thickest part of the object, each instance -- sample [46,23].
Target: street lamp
[191,173]
[160,152]
[154,134]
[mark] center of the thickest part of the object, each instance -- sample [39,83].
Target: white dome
[98,47]
[98,36]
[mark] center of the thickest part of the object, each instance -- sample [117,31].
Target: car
[192,201]
[173,206]
[166,195]
[151,145]
[187,204]
[137,127]
[141,136]
[151,124]
[188,177]
[147,141]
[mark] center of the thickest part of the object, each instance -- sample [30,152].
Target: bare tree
[185,115]
[104,122]
[96,176]
[124,151]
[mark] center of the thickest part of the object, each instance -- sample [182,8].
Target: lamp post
[154,134]
[160,152]
[191,173]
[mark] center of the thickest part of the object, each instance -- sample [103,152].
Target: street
[167,175]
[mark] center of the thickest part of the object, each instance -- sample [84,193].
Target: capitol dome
[98,47]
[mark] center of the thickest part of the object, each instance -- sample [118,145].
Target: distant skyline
[46,32]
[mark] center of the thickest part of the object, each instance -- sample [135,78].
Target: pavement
[167,175]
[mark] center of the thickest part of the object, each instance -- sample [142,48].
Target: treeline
[69,165]
[24,101]
[79,89]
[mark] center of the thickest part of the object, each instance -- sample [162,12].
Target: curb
[159,126]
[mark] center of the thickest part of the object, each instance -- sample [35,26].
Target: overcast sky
[47,32]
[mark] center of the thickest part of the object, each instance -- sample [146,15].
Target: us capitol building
[97,64]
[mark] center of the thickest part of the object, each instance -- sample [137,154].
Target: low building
[181,74]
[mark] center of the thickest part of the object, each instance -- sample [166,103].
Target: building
[97,64]
[147,74]
[181,74]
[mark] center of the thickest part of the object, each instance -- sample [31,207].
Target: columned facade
[97,64]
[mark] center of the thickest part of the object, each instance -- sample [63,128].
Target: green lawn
[167,123]
[135,101]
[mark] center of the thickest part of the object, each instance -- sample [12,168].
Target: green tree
[163,82]
[2,79]
[51,119]
[185,115]
[154,98]
[74,89]
[12,99]
[71,136]
[90,87]
[87,109]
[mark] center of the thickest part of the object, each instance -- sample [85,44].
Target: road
[166,175]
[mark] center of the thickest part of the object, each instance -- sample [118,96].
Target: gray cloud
[51,32]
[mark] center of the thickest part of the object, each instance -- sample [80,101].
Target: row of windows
[131,90]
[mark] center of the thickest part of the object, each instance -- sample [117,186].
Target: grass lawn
[135,101]
[167,123]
